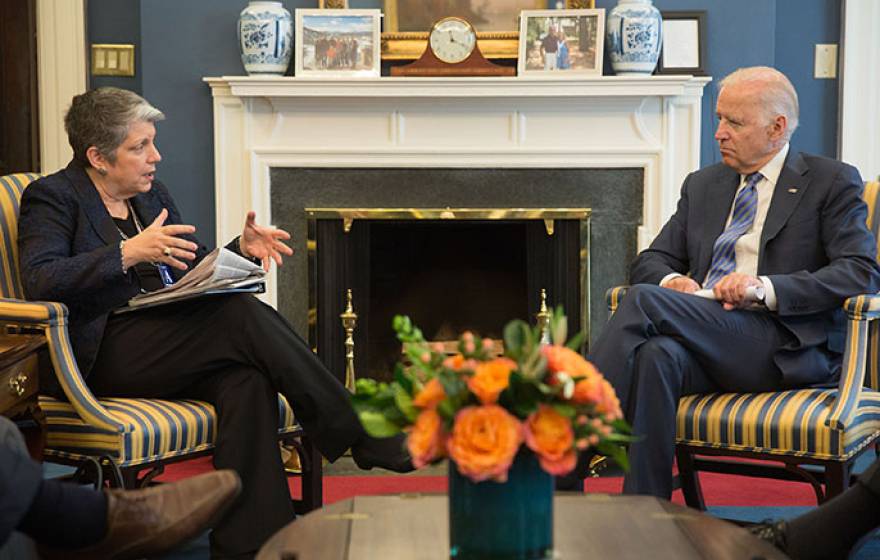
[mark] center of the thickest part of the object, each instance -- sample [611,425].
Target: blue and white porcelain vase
[634,37]
[265,35]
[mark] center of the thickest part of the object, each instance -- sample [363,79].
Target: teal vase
[510,520]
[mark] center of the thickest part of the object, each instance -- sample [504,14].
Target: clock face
[452,40]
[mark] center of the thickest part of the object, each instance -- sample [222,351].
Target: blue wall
[180,42]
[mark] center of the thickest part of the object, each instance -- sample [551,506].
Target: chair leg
[312,477]
[689,480]
[836,478]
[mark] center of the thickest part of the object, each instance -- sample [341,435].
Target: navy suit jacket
[69,252]
[815,248]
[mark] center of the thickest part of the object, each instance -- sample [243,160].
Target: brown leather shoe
[154,520]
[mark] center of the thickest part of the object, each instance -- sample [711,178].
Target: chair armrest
[613,297]
[52,318]
[860,310]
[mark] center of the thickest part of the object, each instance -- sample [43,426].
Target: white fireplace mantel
[651,123]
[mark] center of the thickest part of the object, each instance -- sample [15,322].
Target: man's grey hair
[777,95]
[102,117]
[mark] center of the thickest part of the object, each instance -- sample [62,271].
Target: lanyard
[164,269]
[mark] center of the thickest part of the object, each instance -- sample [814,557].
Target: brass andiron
[543,317]
[349,320]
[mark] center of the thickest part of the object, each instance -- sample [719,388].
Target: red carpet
[719,490]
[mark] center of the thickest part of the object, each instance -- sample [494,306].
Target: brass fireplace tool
[349,320]
[543,317]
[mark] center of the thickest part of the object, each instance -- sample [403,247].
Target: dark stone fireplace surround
[613,195]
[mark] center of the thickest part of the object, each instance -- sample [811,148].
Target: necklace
[137,223]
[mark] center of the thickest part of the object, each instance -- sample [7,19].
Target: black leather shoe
[774,532]
[385,453]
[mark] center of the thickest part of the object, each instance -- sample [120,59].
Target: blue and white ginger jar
[265,35]
[634,37]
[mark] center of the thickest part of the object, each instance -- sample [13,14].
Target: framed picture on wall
[561,43]
[337,43]
[684,43]
[407,23]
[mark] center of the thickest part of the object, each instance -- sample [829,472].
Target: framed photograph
[561,43]
[337,43]
[684,43]
[407,23]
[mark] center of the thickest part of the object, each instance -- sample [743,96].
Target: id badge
[165,274]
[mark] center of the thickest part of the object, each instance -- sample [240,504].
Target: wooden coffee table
[415,527]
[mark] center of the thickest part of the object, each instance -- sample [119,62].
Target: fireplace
[620,146]
[449,270]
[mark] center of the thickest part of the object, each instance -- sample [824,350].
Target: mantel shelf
[387,87]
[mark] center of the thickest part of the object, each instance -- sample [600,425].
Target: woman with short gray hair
[102,230]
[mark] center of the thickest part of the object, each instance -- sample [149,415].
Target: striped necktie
[745,207]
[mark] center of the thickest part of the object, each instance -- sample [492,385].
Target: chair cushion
[791,423]
[157,429]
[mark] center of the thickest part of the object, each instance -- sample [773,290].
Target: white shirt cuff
[769,293]
[669,277]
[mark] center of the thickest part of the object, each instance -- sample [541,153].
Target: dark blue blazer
[69,252]
[815,248]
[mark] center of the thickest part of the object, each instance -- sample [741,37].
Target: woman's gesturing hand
[159,243]
[263,242]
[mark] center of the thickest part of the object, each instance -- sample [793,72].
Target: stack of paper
[220,271]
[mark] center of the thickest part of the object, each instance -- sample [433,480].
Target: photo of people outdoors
[338,43]
[561,41]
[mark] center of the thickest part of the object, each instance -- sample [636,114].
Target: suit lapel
[719,198]
[92,205]
[790,188]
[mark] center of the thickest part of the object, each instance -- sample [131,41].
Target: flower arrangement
[479,409]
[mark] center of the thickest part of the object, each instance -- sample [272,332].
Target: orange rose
[425,440]
[490,378]
[561,359]
[589,390]
[430,395]
[484,442]
[609,404]
[549,434]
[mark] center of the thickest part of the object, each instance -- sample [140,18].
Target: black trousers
[661,345]
[20,478]
[236,353]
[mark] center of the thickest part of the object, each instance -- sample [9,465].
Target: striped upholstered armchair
[127,440]
[810,435]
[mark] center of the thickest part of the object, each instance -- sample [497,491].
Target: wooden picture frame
[684,43]
[404,39]
[561,43]
[337,43]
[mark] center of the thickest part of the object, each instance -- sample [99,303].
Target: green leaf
[558,326]
[518,339]
[405,404]
[402,379]
[376,425]
[565,409]
[577,341]
[617,453]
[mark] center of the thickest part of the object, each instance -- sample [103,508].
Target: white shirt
[749,243]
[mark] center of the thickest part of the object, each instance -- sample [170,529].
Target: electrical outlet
[826,61]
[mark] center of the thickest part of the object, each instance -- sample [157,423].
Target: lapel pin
[792,190]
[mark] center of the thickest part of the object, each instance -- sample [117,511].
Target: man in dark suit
[777,238]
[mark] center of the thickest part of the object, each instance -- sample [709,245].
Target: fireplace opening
[448,277]
[449,270]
